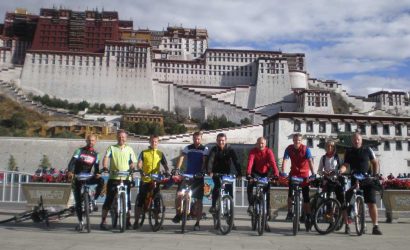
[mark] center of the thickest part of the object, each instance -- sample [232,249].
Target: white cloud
[338,36]
[367,84]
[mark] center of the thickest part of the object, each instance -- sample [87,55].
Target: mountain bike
[154,204]
[328,212]
[224,210]
[86,198]
[259,209]
[295,184]
[356,204]
[119,209]
[186,201]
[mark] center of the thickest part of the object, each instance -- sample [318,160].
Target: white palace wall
[95,84]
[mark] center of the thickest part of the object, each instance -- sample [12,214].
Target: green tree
[45,162]
[18,121]
[246,121]
[117,107]
[12,164]
[83,105]
[103,108]
[132,108]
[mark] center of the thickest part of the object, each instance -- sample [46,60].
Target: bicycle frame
[225,179]
[186,193]
[295,183]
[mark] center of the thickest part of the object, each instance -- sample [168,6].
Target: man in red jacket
[260,161]
[301,162]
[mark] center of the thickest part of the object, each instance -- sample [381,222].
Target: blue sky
[365,45]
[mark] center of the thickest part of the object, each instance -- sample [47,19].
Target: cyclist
[301,162]
[195,154]
[329,164]
[357,158]
[220,158]
[120,157]
[149,162]
[260,160]
[83,160]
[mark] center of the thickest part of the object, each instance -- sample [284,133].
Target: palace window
[386,129]
[398,129]
[335,127]
[399,146]
[296,126]
[374,129]
[348,127]
[309,142]
[362,128]
[309,126]
[386,146]
[322,127]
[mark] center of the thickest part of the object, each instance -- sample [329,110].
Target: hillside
[16,120]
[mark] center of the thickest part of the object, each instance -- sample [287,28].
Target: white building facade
[393,134]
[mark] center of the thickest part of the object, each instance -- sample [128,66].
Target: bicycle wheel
[114,212]
[261,217]
[327,216]
[86,199]
[359,219]
[140,220]
[225,215]
[254,214]
[296,213]
[122,212]
[156,212]
[184,213]
[215,216]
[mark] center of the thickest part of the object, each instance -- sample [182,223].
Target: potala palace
[97,57]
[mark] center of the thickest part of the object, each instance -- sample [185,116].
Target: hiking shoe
[177,218]
[212,210]
[197,227]
[289,216]
[347,229]
[250,210]
[376,230]
[103,227]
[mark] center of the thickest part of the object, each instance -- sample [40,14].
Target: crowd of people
[399,176]
[214,162]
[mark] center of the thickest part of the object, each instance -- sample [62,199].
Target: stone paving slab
[61,235]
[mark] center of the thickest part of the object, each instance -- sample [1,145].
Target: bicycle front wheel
[184,213]
[254,213]
[327,216]
[225,214]
[261,215]
[359,219]
[122,212]
[156,212]
[296,214]
[87,212]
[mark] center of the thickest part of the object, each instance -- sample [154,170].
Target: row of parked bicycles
[325,208]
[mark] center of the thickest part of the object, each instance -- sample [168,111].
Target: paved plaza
[61,235]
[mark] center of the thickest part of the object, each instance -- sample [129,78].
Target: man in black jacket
[220,158]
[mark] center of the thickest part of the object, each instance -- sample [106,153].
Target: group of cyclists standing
[215,162]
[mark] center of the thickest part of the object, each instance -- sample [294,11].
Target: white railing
[10,185]
[11,188]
